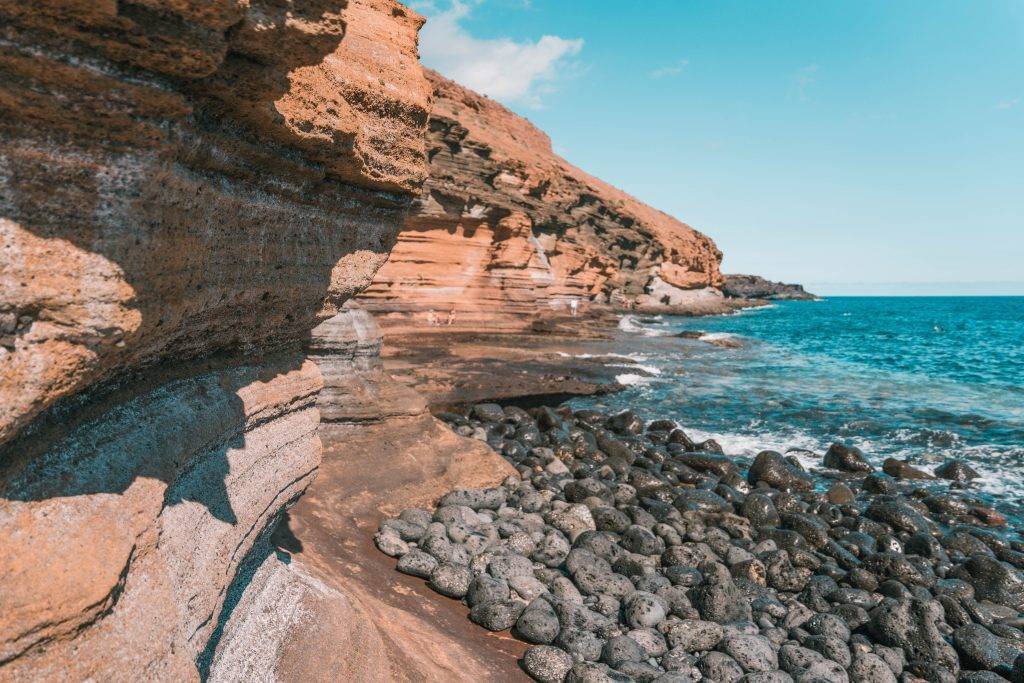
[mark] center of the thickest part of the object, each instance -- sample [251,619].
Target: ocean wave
[630,379]
[718,336]
[635,357]
[649,369]
[630,323]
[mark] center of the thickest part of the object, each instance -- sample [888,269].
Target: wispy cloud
[670,69]
[802,79]
[502,68]
[1008,104]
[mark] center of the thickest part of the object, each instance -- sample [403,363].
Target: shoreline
[628,552]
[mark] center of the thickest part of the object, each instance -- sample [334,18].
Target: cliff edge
[506,231]
[186,189]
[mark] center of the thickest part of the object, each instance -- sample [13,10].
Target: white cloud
[1008,104]
[670,70]
[510,71]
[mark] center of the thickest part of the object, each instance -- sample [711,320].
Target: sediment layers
[317,602]
[186,189]
[505,231]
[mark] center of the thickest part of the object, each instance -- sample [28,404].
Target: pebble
[547,664]
[624,551]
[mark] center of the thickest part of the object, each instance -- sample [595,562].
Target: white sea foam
[630,379]
[714,336]
[630,323]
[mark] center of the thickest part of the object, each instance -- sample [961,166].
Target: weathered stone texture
[505,230]
[186,189]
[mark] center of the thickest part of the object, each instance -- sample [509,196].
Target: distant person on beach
[451,317]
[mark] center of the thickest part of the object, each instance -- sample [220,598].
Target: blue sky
[839,141]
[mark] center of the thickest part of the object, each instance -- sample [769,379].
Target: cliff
[505,231]
[756,287]
[186,189]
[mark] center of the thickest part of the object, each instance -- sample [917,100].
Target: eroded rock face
[186,189]
[506,230]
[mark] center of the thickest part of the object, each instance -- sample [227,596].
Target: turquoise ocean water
[922,378]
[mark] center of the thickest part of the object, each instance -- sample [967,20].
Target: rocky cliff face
[186,189]
[756,287]
[505,230]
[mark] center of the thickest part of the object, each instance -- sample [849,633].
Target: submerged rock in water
[956,470]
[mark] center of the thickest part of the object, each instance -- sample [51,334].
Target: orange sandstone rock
[505,231]
[186,189]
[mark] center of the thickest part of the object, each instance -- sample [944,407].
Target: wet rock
[774,470]
[913,625]
[956,470]
[992,580]
[846,459]
[901,469]
[641,540]
[897,513]
[547,664]
[981,649]
[760,510]
[626,422]
[880,482]
[840,494]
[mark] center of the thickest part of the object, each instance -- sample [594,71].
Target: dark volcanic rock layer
[756,287]
[186,189]
[506,231]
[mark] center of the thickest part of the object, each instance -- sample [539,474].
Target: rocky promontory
[757,287]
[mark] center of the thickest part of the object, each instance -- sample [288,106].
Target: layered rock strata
[506,231]
[186,189]
[322,587]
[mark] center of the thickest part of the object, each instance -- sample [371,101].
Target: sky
[873,145]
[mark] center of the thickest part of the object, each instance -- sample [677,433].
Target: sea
[924,379]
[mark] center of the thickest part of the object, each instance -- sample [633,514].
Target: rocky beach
[622,550]
[318,365]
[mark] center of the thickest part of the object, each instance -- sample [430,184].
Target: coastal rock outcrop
[186,189]
[506,231]
[757,287]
